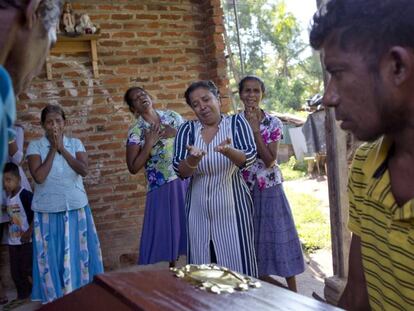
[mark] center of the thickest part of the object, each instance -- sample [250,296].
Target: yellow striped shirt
[386,229]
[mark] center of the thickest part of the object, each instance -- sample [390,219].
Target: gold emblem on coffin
[215,279]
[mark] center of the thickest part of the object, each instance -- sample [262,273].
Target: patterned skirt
[277,244]
[66,253]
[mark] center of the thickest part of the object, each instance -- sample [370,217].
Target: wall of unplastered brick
[162,45]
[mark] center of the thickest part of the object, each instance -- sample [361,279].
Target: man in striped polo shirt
[368,49]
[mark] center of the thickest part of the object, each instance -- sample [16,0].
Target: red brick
[136,43]
[146,17]
[108,8]
[122,16]
[123,34]
[150,51]
[134,7]
[127,70]
[116,81]
[139,61]
[107,26]
[174,17]
[112,43]
[146,34]
[115,62]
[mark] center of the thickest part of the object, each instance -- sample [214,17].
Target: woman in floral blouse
[277,245]
[150,145]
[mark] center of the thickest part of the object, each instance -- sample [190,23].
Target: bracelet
[188,164]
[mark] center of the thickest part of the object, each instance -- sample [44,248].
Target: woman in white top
[66,249]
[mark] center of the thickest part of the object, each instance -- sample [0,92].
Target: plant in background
[311,222]
[293,169]
[273,49]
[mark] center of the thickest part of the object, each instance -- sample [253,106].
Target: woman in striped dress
[211,151]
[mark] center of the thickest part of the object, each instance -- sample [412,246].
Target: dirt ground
[319,263]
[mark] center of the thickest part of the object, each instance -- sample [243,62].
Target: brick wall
[160,45]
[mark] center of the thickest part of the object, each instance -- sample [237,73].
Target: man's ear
[401,64]
[30,12]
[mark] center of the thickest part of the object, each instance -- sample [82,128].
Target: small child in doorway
[18,203]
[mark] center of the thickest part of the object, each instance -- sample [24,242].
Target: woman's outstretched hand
[196,152]
[224,146]
[194,156]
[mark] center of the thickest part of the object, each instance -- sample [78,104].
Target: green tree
[272,49]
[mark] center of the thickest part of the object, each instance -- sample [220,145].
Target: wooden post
[94,53]
[337,166]
[338,197]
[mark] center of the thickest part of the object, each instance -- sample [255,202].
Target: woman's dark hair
[368,26]
[12,168]
[127,95]
[206,84]
[49,109]
[250,78]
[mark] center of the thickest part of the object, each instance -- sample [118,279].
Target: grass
[311,222]
[292,170]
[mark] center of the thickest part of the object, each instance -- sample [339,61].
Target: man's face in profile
[354,91]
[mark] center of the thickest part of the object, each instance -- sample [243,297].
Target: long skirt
[66,253]
[163,236]
[277,244]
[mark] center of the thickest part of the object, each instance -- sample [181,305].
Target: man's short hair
[12,169]
[370,26]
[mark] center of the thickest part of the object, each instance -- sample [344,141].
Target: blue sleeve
[181,141]
[244,139]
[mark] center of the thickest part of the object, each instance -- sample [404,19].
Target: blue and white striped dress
[218,204]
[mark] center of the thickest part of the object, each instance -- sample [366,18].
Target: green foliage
[292,169]
[311,223]
[272,49]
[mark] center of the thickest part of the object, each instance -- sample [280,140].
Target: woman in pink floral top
[277,244]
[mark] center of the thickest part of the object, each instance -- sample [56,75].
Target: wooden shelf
[73,45]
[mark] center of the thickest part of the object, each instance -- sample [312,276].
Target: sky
[303,10]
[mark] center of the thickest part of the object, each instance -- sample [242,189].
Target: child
[18,203]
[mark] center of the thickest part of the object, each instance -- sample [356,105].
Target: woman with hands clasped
[66,249]
[150,145]
[277,244]
[211,151]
